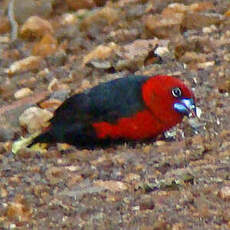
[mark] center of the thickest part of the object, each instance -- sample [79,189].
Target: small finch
[132,108]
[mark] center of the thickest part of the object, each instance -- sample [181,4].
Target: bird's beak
[186,107]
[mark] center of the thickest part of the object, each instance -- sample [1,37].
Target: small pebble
[24,92]
[224,193]
[23,65]
[35,27]
[34,119]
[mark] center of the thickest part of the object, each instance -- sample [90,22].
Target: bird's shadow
[106,144]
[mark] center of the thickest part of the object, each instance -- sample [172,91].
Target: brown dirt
[178,184]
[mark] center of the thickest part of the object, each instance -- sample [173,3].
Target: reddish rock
[80,4]
[47,46]
[35,27]
[19,209]
[4,25]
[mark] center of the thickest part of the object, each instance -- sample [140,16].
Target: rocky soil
[50,50]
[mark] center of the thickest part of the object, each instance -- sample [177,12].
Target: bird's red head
[169,99]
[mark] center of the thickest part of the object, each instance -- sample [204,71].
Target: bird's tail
[46,137]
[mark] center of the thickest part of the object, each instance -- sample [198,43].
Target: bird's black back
[106,102]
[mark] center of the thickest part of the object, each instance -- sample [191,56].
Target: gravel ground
[69,46]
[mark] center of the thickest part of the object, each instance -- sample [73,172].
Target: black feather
[110,101]
[106,102]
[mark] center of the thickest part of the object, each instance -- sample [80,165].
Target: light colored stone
[160,143]
[26,64]
[55,85]
[227,57]
[210,29]
[225,193]
[205,65]
[51,103]
[24,92]
[4,39]
[175,8]
[68,19]
[181,8]
[34,119]
[100,52]
[112,185]
[132,177]
[161,51]
[141,47]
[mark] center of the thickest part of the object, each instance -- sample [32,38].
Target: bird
[128,109]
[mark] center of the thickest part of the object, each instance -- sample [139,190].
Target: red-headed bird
[132,108]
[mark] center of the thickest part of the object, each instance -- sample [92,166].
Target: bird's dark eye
[176,92]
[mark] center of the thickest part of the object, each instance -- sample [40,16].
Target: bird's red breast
[142,125]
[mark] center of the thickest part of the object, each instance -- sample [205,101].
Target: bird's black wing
[72,121]
[106,102]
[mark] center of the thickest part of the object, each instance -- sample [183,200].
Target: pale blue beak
[186,107]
